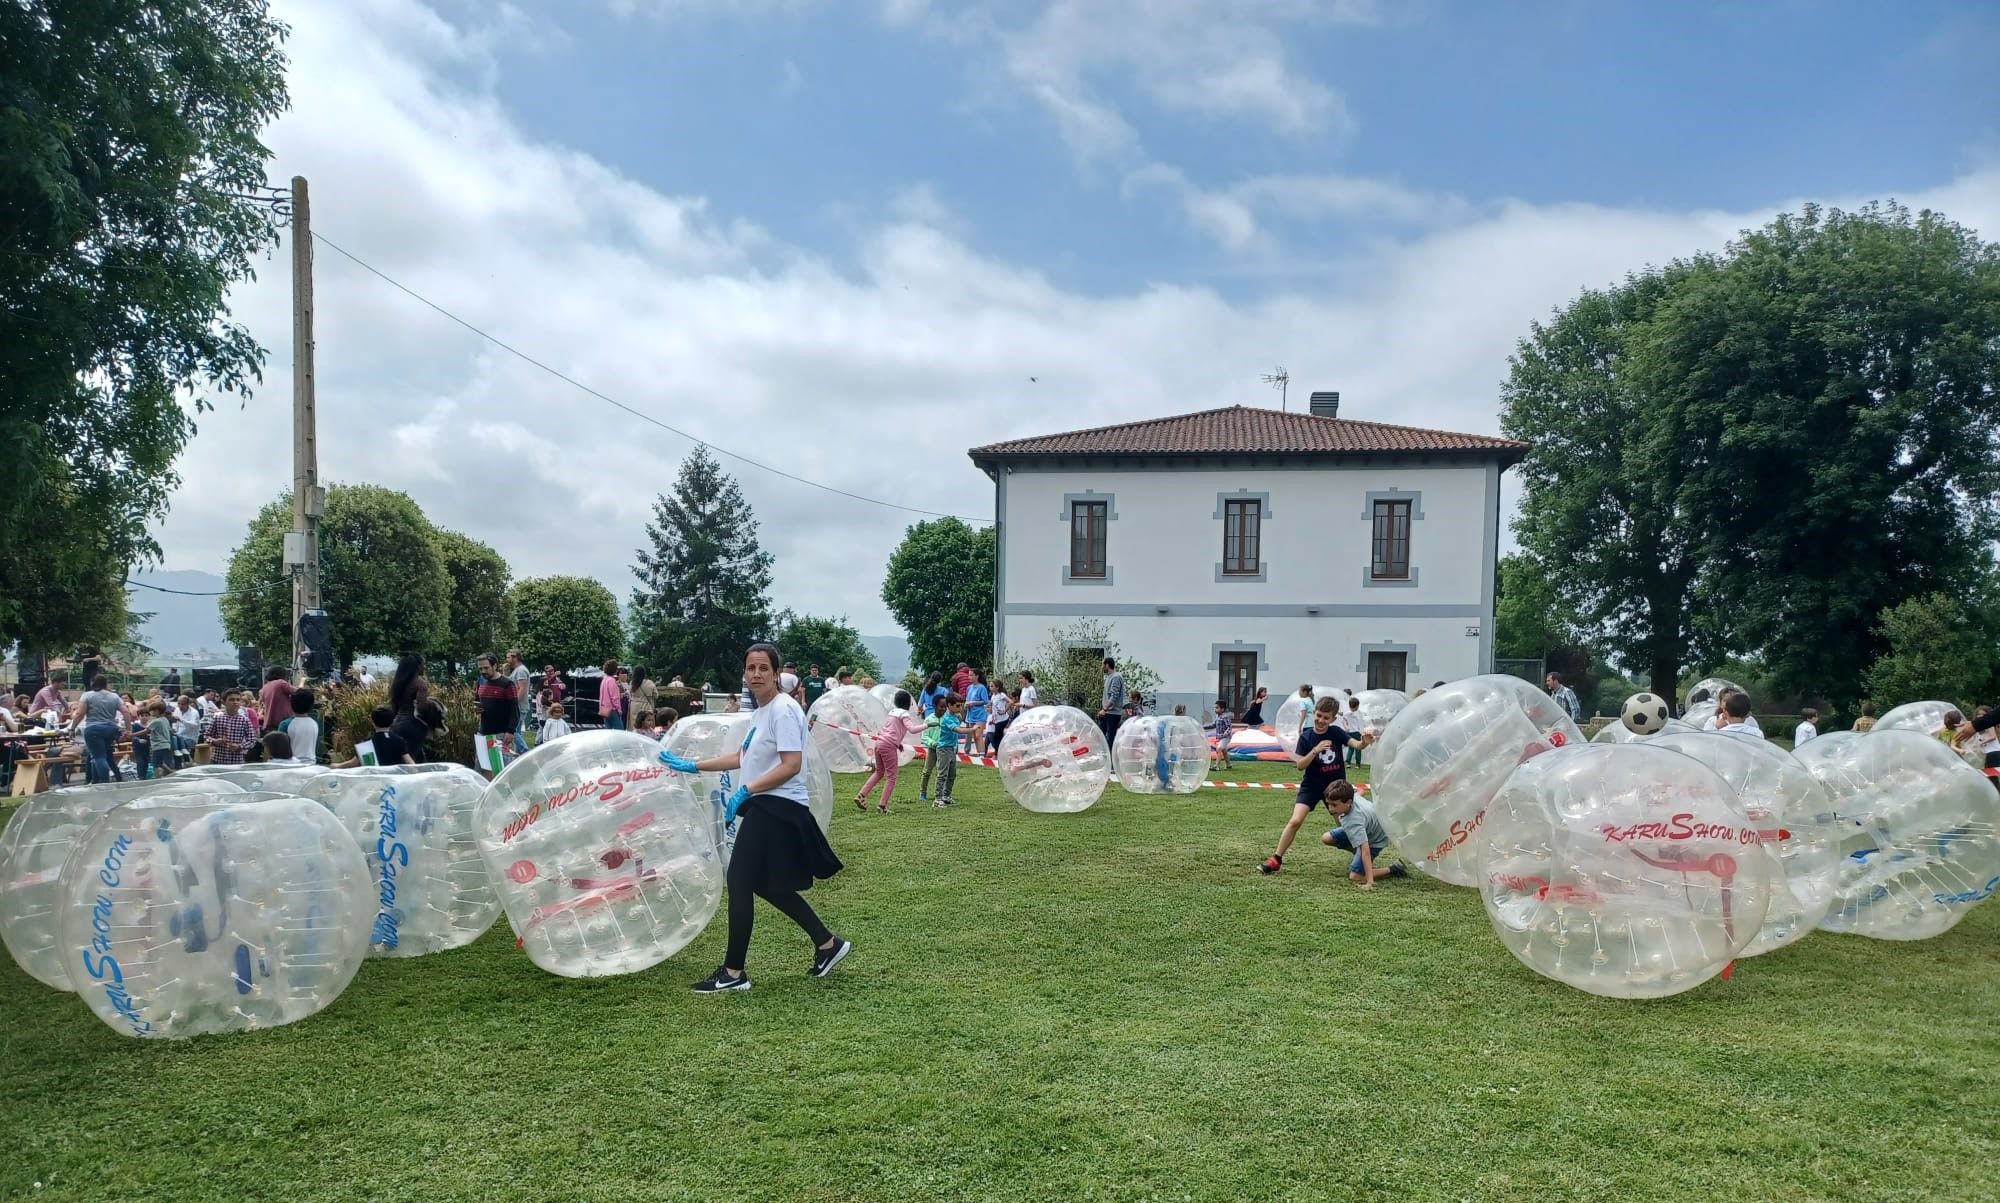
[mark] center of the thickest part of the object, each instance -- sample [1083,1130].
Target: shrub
[350,720]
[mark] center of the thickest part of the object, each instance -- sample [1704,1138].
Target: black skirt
[779,847]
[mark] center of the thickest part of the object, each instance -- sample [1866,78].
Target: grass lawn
[1111,1005]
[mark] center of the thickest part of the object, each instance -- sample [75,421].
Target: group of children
[962,716]
[1321,756]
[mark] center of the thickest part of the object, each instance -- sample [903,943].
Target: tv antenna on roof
[1279,380]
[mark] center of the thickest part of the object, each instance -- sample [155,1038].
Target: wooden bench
[31,773]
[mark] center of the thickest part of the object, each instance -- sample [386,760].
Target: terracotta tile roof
[1242,430]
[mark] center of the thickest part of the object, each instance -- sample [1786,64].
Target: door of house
[1238,683]
[1385,669]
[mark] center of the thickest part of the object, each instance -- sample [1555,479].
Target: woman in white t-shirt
[779,847]
[1029,697]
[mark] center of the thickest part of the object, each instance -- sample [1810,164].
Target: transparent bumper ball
[705,737]
[1053,759]
[1927,718]
[1920,833]
[604,858]
[1379,708]
[1697,715]
[885,693]
[203,913]
[1446,754]
[844,723]
[415,826]
[1628,871]
[276,777]
[1616,732]
[1793,814]
[1167,755]
[37,843]
[1708,689]
[1294,714]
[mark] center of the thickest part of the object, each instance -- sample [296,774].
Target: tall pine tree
[703,583]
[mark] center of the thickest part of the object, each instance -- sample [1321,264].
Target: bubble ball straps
[1161,755]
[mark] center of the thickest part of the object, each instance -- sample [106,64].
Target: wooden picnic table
[31,773]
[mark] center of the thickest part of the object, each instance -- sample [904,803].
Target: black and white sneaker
[721,980]
[824,959]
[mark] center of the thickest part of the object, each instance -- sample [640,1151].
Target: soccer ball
[1645,714]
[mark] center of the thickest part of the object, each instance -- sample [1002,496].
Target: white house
[1240,547]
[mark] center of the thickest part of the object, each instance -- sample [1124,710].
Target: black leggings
[746,864]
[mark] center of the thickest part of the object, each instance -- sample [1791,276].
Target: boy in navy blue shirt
[1321,754]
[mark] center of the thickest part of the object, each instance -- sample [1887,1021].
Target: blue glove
[735,803]
[679,764]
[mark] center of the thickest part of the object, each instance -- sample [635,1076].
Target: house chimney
[1325,405]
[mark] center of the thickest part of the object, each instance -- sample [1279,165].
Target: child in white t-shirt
[554,727]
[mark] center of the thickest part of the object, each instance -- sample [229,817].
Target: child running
[1219,731]
[1361,833]
[888,751]
[1319,757]
[949,726]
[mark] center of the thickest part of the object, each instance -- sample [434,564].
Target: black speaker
[316,636]
[249,667]
[33,673]
[219,679]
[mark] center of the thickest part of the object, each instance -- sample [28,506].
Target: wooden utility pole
[302,548]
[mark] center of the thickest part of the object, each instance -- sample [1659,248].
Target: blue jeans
[100,743]
[521,736]
[1341,842]
[614,721]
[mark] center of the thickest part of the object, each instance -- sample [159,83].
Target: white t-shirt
[1803,732]
[304,730]
[778,726]
[1747,727]
[187,723]
[1029,697]
[367,678]
[554,728]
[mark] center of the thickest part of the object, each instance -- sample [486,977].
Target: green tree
[827,642]
[939,586]
[1934,652]
[1757,452]
[381,577]
[1529,618]
[1069,666]
[704,581]
[129,168]
[481,616]
[568,621]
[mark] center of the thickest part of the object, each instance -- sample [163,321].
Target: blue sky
[843,235]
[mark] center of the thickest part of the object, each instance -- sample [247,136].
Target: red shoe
[1271,865]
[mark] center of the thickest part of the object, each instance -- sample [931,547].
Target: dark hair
[639,720]
[1027,676]
[275,672]
[100,681]
[769,650]
[1809,714]
[1556,677]
[666,716]
[1738,705]
[638,675]
[902,699]
[979,675]
[431,711]
[934,679]
[381,716]
[303,701]
[487,658]
[1110,663]
[611,667]
[1327,705]
[1339,791]
[277,745]
[403,686]
[1867,708]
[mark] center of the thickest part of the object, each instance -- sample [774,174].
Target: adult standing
[779,847]
[366,678]
[103,715]
[499,701]
[610,700]
[1565,697]
[170,685]
[644,697]
[553,682]
[961,678]
[518,673]
[1111,712]
[275,699]
[815,684]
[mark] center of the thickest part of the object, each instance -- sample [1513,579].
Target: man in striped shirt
[231,733]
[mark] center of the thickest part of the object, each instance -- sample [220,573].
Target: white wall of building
[1314,612]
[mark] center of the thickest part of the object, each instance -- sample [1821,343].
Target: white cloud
[1235,217]
[873,375]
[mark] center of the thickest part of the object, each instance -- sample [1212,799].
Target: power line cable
[132,584]
[643,417]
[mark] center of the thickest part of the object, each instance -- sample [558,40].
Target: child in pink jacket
[888,754]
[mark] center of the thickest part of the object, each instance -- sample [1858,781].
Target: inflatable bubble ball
[195,914]
[1920,833]
[1708,689]
[604,858]
[1053,760]
[1629,871]
[1618,733]
[1379,708]
[1445,755]
[415,826]
[885,693]
[279,777]
[1697,715]
[1793,814]
[1644,714]
[845,721]
[704,737]
[1927,718]
[1160,755]
[37,843]
[1293,715]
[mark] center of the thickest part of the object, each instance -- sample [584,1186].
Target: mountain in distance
[184,629]
[894,653]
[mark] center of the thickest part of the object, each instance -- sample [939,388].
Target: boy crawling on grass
[1361,833]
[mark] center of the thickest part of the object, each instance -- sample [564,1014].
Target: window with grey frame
[1088,527]
[1391,556]
[1242,537]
